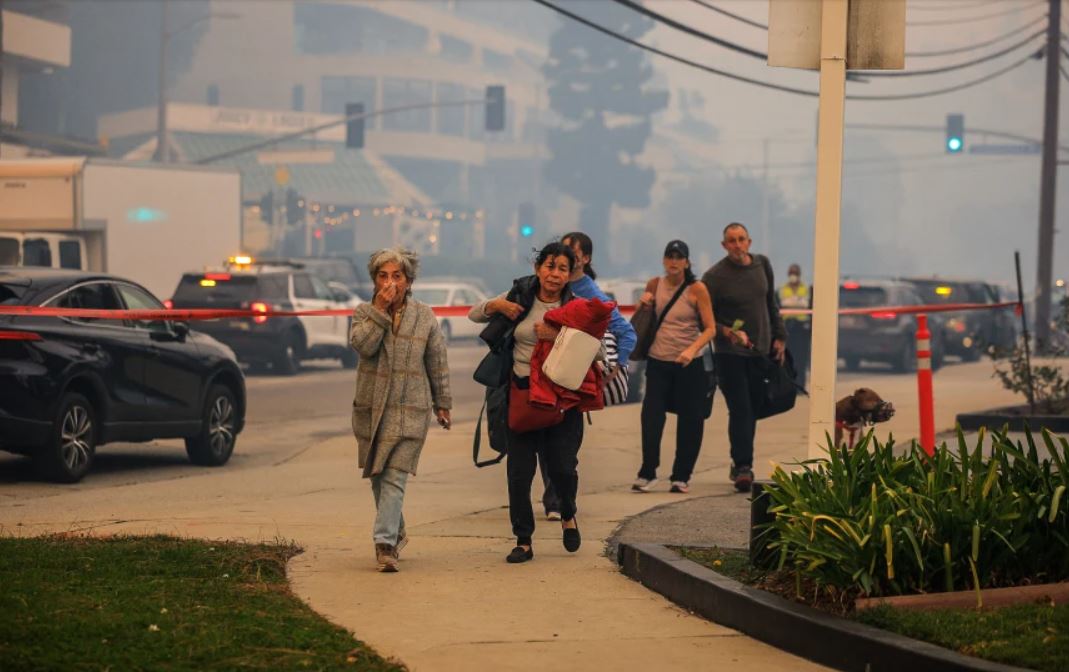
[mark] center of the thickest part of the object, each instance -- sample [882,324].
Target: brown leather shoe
[386,557]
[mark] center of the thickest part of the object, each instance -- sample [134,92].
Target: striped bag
[615,389]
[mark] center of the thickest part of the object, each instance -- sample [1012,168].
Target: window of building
[336,92]
[450,119]
[330,28]
[477,115]
[455,50]
[213,95]
[496,61]
[399,92]
[298,98]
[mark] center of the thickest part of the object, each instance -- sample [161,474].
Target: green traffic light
[954,144]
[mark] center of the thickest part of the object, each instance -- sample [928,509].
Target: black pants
[680,389]
[800,341]
[558,448]
[735,373]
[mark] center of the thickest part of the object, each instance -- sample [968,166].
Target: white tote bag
[572,354]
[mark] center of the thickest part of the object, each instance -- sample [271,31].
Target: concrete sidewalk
[456,605]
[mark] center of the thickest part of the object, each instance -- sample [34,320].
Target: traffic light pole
[252,147]
[1048,179]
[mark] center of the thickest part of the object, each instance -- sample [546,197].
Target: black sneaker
[519,555]
[743,479]
[733,472]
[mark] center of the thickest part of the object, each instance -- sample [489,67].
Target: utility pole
[825,317]
[766,238]
[161,102]
[1048,179]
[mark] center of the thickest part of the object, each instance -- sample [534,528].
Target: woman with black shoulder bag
[676,379]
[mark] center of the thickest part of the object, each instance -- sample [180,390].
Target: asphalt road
[286,417]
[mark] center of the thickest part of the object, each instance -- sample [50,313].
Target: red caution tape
[191,314]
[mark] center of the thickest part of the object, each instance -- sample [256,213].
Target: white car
[451,294]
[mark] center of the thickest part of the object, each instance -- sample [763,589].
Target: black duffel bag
[776,382]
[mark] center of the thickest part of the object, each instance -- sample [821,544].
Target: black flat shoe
[572,539]
[519,555]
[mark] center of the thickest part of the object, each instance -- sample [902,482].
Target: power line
[777,87]
[732,15]
[692,31]
[978,45]
[958,66]
[679,59]
[668,21]
[955,6]
[972,19]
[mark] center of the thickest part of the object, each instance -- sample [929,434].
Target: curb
[1015,417]
[803,631]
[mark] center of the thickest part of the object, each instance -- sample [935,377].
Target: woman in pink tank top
[675,377]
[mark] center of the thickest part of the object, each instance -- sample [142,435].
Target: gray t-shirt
[740,292]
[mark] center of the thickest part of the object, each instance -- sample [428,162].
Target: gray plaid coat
[399,379]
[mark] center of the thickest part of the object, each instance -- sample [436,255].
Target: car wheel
[852,363]
[349,359]
[938,355]
[214,444]
[907,359]
[289,360]
[69,453]
[447,331]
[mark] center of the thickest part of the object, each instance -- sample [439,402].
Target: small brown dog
[862,408]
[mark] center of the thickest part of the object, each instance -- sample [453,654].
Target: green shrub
[872,522]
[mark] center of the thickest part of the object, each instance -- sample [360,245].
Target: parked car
[969,334]
[435,293]
[68,385]
[884,336]
[281,342]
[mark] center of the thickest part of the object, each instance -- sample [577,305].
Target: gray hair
[406,259]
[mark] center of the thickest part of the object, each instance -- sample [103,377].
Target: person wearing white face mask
[796,294]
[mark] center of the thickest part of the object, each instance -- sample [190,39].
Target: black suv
[68,385]
[884,337]
[969,334]
[281,342]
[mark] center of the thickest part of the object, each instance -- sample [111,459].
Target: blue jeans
[388,488]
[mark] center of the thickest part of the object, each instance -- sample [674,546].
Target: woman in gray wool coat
[403,374]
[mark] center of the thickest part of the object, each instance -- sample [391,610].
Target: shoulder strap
[771,296]
[675,297]
[478,440]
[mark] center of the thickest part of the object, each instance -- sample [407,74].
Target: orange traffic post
[924,385]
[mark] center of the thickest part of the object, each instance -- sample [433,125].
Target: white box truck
[147,222]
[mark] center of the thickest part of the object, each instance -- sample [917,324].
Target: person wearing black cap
[675,377]
[749,327]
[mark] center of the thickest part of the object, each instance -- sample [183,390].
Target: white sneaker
[552,515]
[680,486]
[643,484]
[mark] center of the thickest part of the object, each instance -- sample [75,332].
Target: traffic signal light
[495,108]
[294,207]
[354,128]
[955,141]
[267,206]
[525,220]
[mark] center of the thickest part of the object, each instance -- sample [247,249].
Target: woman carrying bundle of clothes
[545,419]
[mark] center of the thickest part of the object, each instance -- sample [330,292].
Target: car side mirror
[176,332]
[341,297]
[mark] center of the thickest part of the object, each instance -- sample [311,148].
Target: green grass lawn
[1031,635]
[159,603]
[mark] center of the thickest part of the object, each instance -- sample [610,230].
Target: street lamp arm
[331,124]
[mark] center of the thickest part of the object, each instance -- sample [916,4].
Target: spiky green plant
[872,522]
